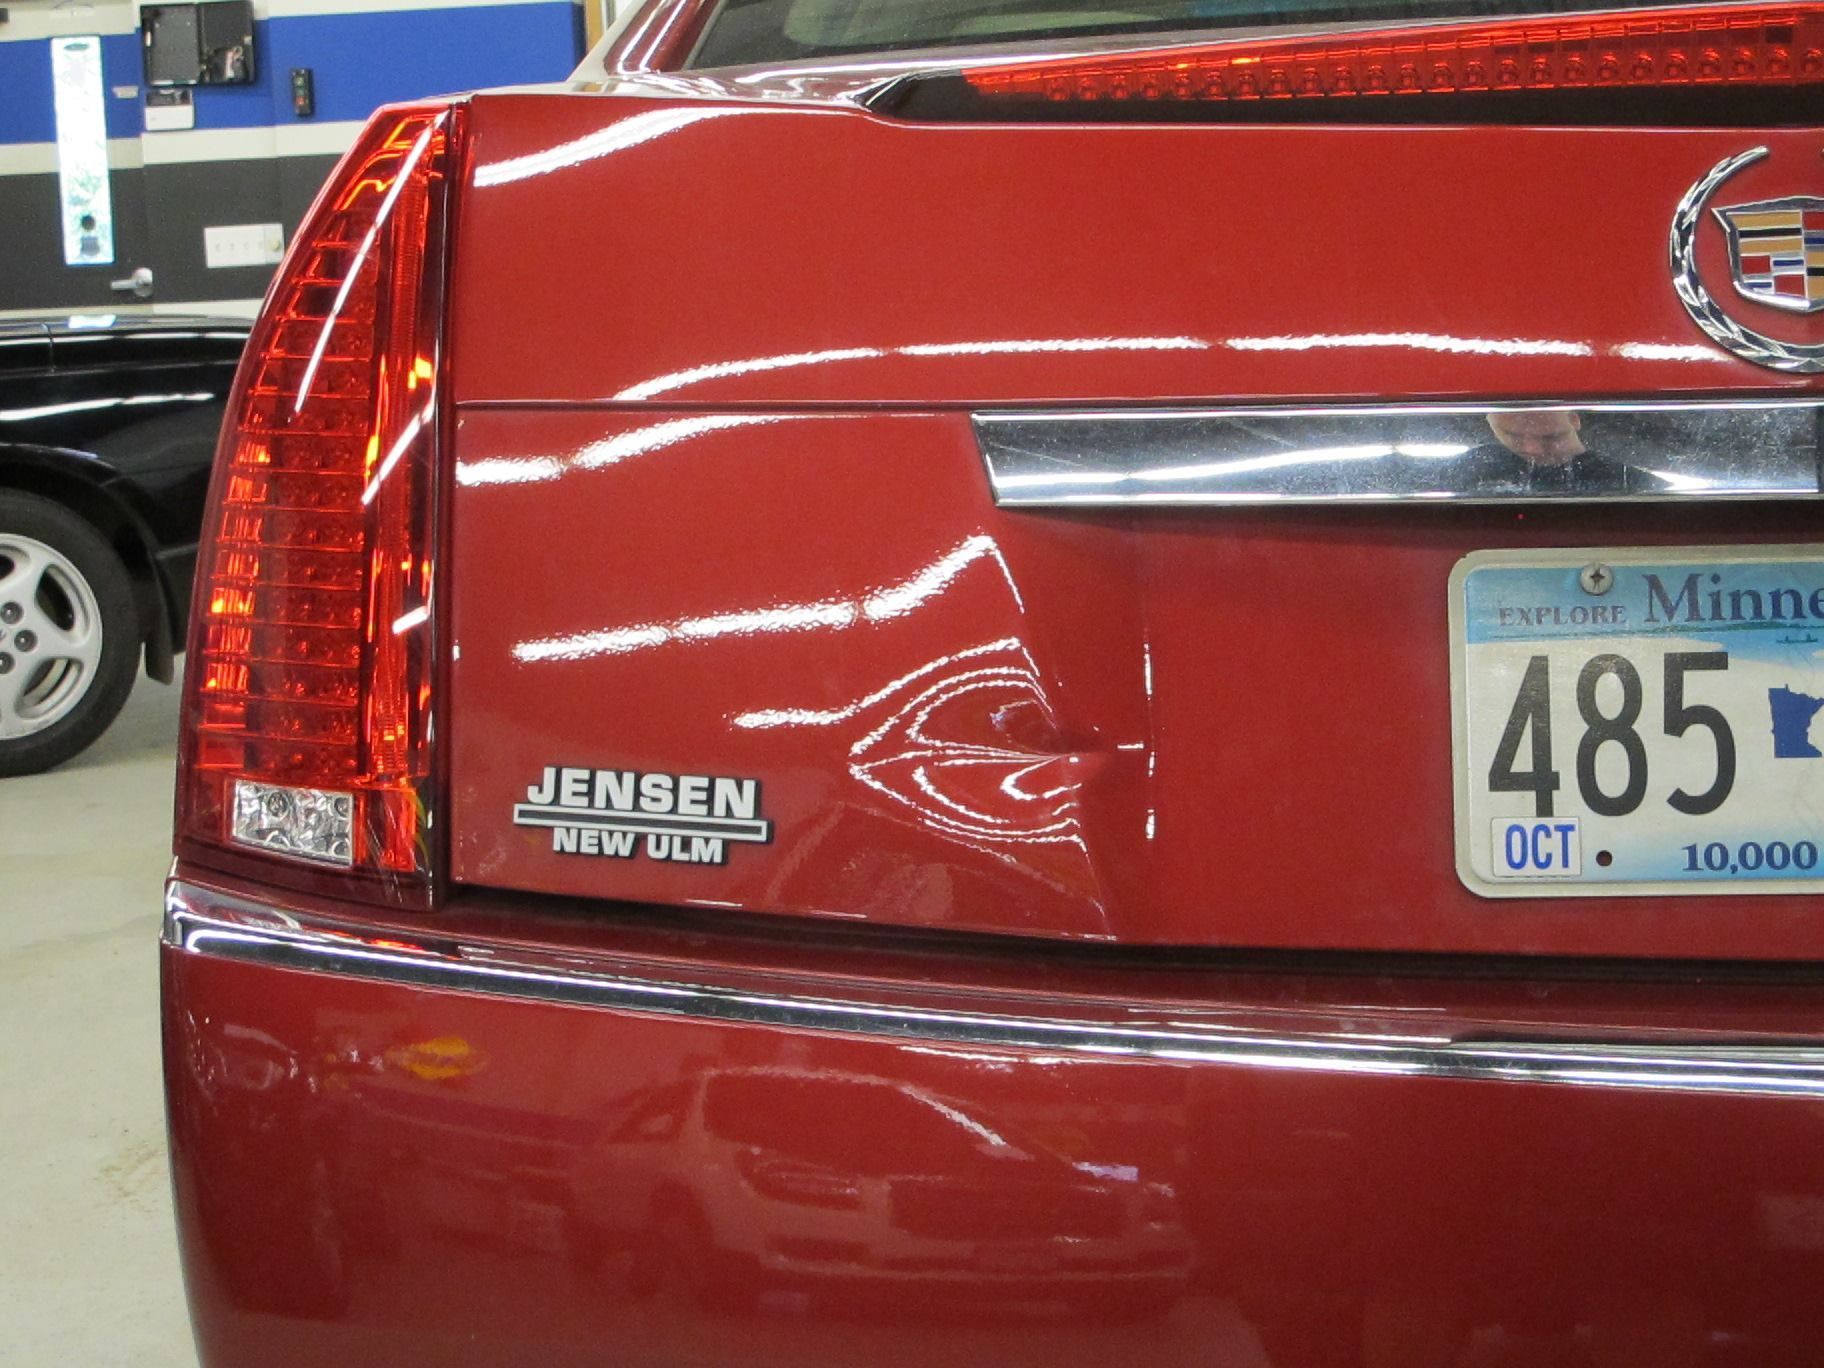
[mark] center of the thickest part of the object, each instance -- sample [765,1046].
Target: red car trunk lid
[720,519]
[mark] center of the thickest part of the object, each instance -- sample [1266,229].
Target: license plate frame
[1488,587]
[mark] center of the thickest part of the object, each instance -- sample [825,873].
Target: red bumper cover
[656,1146]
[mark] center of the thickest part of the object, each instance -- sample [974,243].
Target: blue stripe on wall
[361,61]
[27,109]
[121,65]
[365,60]
[25,75]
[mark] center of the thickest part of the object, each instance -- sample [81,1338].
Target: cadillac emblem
[1776,257]
[1776,251]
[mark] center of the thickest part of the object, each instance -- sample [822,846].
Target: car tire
[69,634]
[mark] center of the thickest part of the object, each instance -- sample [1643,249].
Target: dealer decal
[679,818]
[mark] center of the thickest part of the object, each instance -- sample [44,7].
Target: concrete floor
[88,1259]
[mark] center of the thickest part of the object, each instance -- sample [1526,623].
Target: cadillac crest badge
[1776,251]
[1776,259]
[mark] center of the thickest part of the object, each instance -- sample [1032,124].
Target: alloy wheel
[50,636]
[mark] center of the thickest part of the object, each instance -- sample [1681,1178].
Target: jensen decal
[678,818]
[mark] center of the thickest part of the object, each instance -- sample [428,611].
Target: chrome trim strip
[1619,451]
[201,922]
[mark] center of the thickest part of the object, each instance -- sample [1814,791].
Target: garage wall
[248,159]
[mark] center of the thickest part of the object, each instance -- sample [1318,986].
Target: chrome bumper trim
[200,921]
[1601,451]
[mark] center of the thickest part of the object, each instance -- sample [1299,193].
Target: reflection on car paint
[1012,346]
[587,1185]
[438,1059]
[610,451]
[799,1177]
[1414,341]
[633,131]
[910,749]
[1664,351]
[889,601]
[26,415]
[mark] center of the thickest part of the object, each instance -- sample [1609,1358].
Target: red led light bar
[1727,45]
[310,650]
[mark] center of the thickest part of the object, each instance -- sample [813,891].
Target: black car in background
[107,430]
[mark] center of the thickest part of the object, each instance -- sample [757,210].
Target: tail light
[1731,64]
[308,722]
[1672,49]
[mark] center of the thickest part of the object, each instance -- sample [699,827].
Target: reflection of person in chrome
[1542,451]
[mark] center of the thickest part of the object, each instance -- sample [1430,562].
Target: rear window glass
[748,31]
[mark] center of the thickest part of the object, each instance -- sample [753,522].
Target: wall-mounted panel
[249,157]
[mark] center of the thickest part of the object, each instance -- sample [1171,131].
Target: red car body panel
[1110,907]
[828,369]
[1105,725]
[432,1160]
[749,255]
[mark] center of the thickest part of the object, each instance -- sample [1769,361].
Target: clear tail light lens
[1668,49]
[311,675]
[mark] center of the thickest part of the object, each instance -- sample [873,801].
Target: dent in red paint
[1109,726]
[1198,727]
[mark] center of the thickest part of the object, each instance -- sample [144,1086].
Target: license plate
[1639,721]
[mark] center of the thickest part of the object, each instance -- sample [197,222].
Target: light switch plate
[244,244]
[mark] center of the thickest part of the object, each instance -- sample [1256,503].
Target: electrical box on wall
[207,43]
[303,92]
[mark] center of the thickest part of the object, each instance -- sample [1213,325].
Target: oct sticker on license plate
[1639,721]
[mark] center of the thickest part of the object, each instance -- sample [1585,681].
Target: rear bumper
[454,1149]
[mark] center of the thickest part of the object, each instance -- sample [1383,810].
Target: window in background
[82,152]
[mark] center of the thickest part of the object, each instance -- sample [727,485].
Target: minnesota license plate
[1639,721]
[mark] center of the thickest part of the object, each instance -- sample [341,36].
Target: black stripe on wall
[32,273]
[159,215]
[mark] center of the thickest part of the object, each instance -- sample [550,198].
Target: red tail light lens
[309,685]
[1643,49]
